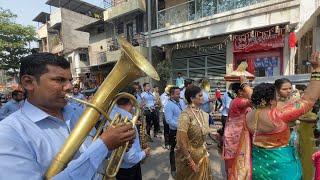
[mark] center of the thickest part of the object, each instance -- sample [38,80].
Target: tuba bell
[205,84]
[131,66]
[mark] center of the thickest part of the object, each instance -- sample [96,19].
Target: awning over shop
[307,26]
[297,79]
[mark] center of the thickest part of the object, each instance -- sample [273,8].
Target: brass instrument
[205,84]
[117,154]
[131,66]
[143,140]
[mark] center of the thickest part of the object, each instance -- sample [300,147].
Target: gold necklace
[196,117]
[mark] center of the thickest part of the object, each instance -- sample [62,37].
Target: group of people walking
[256,135]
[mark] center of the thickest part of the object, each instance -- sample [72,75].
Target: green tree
[15,41]
[164,70]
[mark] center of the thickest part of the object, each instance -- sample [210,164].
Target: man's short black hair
[123,101]
[187,82]
[144,84]
[36,64]
[171,91]
[15,92]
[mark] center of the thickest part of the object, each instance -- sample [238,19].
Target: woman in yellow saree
[192,157]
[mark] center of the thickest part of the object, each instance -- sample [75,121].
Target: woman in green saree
[272,157]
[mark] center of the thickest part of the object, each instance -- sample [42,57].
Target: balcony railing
[113,3]
[137,40]
[119,8]
[196,9]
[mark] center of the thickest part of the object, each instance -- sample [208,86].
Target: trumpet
[131,66]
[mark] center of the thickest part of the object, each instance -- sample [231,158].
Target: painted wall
[73,39]
[269,13]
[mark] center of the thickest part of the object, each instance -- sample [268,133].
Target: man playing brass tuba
[32,136]
[130,167]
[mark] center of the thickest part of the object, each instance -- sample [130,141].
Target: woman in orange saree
[272,157]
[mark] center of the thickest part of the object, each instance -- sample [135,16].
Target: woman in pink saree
[235,124]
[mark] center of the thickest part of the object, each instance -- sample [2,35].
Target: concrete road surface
[157,167]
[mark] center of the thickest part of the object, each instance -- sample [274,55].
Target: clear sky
[26,10]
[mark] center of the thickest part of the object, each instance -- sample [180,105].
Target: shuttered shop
[196,63]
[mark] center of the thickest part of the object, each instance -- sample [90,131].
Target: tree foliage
[14,41]
[164,70]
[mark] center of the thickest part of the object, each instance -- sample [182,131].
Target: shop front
[262,50]
[208,61]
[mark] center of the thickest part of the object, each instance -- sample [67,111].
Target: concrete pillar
[286,56]
[316,35]
[229,58]
[168,57]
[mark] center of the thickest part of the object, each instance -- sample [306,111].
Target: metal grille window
[194,64]
[210,66]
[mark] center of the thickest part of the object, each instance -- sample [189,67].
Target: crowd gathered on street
[258,137]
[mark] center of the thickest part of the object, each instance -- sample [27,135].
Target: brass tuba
[131,66]
[205,84]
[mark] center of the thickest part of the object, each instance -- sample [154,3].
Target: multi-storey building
[308,34]
[209,38]
[58,33]
[121,18]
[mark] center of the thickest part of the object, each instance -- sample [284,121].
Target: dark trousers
[218,105]
[211,120]
[133,173]
[173,142]
[157,120]
[223,121]
[151,119]
[165,131]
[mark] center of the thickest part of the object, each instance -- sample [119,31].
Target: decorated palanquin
[234,76]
